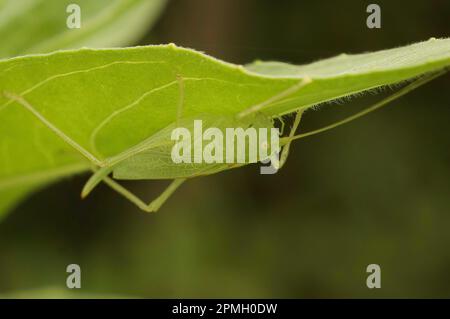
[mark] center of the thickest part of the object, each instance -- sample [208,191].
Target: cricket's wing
[161,157]
[152,158]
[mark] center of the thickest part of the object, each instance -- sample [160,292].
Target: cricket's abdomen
[161,170]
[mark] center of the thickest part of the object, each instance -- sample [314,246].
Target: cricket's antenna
[414,85]
[291,90]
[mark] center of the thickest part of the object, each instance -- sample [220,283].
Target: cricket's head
[268,134]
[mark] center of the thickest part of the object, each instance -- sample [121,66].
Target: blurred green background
[374,191]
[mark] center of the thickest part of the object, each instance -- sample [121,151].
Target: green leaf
[39,26]
[348,74]
[109,100]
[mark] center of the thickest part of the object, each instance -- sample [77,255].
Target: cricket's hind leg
[154,205]
[102,173]
[22,101]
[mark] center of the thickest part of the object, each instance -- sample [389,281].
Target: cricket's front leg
[285,151]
